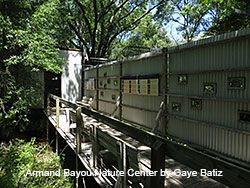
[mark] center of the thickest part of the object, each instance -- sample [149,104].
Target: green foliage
[30,33]
[14,102]
[196,17]
[20,157]
[229,15]
[97,24]
[31,40]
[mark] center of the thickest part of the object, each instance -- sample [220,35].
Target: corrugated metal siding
[194,87]
[231,143]
[109,88]
[90,73]
[224,114]
[108,108]
[109,70]
[216,124]
[145,106]
[151,65]
[225,55]
[141,117]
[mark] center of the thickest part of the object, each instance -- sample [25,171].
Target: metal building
[201,88]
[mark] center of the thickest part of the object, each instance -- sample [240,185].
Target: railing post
[122,163]
[48,123]
[95,146]
[79,124]
[157,164]
[48,105]
[57,112]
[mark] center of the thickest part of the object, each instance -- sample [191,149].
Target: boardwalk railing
[233,175]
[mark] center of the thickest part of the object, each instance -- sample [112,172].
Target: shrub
[19,157]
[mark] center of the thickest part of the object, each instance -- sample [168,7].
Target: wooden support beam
[79,124]
[57,142]
[57,112]
[122,164]
[133,162]
[48,106]
[120,93]
[157,164]
[95,147]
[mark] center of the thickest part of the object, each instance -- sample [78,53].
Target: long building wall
[204,84]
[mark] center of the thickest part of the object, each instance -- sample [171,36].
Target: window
[244,116]
[176,107]
[101,83]
[182,79]
[102,93]
[113,97]
[105,74]
[196,104]
[236,82]
[209,88]
[108,81]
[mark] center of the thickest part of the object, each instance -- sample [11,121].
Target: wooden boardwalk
[103,152]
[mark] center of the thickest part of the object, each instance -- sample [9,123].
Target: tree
[190,15]
[149,35]
[229,15]
[97,24]
[207,17]
[29,35]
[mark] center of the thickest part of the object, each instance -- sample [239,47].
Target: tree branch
[82,8]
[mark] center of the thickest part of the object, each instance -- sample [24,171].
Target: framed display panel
[143,86]
[154,87]
[134,86]
[236,82]
[125,86]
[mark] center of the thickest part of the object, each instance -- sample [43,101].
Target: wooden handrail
[236,175]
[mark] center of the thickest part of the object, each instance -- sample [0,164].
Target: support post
[57,112]
[95,146]
[120,93]
[157,164]
[48,114]
[48,105]
[57,142]
[77,169]
[122,163]
[79,124]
